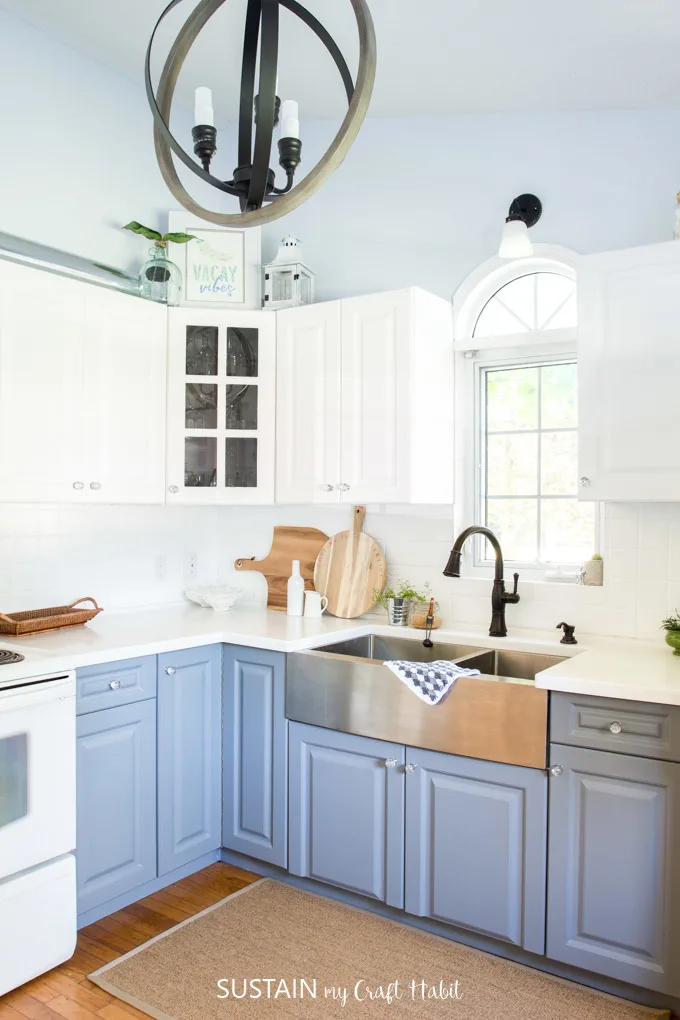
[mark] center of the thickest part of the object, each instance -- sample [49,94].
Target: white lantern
[287,280]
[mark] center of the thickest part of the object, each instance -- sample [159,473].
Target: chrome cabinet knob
[616,728]
[327,487]
[173,489]
[95,485]
[410,767]
[170,670]
[78,485]
[114,685]
[557,770]
[584,482]
[343,487]
[390,763]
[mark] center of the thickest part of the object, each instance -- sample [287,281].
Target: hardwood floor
[66,992]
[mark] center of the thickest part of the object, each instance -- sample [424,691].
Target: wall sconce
[524,212]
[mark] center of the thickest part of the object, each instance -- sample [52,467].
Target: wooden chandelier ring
[336,153]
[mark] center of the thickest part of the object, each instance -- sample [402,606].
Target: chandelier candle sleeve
[290,123]
[203,109]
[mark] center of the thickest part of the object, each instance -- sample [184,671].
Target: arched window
[516,328]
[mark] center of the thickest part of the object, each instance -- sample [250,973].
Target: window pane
[534,301]
[567,530]
[552,292]
[559,392]
[559,463]
[512,399]
[497,320]
[565,317]
[512,465]
[515,522]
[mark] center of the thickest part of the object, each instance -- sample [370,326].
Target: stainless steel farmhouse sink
[499,715]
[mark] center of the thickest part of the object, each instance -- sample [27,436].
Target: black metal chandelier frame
[253,181]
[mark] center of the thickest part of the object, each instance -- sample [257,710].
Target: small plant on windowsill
[398,599]
[672,627]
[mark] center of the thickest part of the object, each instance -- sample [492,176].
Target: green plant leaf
[179,238]
[139,228]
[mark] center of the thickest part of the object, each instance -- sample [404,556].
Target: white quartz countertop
[605,667]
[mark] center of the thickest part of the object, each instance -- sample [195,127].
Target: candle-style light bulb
[290,124]
[203,109]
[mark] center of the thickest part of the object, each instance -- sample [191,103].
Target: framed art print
[220,267]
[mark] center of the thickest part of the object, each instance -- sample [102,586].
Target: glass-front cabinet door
[221,406]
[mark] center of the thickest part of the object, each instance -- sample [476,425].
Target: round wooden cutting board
[348,568]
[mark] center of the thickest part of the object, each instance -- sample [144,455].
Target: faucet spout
[499,596]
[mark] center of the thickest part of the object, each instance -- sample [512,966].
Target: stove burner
[6,658]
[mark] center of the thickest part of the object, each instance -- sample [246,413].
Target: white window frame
[473,355]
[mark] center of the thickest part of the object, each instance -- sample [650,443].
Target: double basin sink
[499,715]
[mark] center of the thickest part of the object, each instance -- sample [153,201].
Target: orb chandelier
[253,181]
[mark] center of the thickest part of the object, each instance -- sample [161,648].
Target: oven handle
[39,689]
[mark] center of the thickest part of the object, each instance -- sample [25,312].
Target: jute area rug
[271,950]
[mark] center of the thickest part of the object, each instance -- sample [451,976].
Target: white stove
[37,823]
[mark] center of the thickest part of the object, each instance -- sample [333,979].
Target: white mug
[315,604]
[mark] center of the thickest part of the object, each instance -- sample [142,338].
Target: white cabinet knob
[410,767]
[327,487]
[584,482]
[390,763]
[95,485]
[173,489]
[78,485]
[170,670]
[344,487]
[616,728]
[114,685]
[557,770]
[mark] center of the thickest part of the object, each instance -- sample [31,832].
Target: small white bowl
[216,597]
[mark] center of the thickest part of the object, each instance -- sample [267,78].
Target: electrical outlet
[190,565]
[159,567]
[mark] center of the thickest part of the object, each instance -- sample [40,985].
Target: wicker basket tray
[34,621]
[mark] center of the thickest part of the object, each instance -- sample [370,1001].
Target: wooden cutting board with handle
[349,567]
[288,544]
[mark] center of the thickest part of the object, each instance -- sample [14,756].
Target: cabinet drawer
[115,683]
[608,724]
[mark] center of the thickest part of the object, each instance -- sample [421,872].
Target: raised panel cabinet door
[613,879]
[116,802]
[628,367]
[308,404]
[221,424]
[189,758]
[42,416]
[377,357]
[346,812]
[255,754]
[125,398]
[476,846]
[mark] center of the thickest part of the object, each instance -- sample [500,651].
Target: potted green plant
[672,627]
[398,599]
[159,278]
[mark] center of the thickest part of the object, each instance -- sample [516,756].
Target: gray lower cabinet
[476,846]
[614,872]
[346,812]
[189,755]
[116,797]
[255,754]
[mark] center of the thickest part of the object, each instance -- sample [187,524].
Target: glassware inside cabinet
[201,350]
[200,406]
[200,462]
[242,351]
[241,407]
[240,463]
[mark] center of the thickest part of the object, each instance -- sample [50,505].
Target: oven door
[37,772]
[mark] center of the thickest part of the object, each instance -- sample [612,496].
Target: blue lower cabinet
[116,797]
[347,812]
[255,754]
[476,846]
[189,755]
[614,879]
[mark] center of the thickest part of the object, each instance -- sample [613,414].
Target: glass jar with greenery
[398,598]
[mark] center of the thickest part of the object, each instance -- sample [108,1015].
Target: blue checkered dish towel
[429,681]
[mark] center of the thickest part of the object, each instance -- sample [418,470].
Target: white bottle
[296,591]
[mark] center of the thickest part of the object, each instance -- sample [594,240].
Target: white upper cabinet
[365,401]
[629,367]
[221,406]
[82,392]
